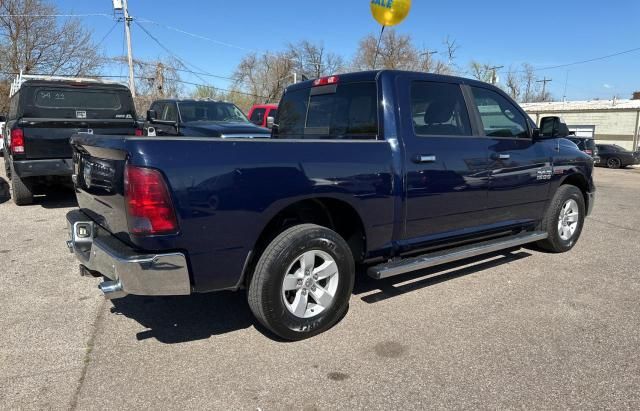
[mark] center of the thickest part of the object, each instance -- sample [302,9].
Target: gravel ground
[517,330]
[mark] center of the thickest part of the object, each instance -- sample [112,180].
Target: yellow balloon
[390,12]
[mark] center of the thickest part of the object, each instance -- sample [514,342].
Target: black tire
[614,163]
[21,191]
[265,295]
[554,243]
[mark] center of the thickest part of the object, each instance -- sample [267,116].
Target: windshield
[210,111]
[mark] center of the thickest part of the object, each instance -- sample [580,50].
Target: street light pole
[127,29]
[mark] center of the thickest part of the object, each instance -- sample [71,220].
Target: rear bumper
[130,272]
[40,168]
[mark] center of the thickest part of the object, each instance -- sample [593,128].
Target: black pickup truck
[391,170]
[44,113]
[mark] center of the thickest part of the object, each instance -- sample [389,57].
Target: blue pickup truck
[388,170]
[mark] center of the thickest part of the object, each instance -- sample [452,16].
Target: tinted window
[170,112]
[578,142]
[438,109]
[345,111]
[211,111]
[64,98]
[273,113]
[500,117]
[257,117]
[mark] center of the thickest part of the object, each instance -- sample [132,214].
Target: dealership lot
[523,329]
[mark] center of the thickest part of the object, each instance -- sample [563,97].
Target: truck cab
[390,170]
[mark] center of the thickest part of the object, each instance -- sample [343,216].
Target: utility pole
[544,86]
[127,29]
[427,53]
[494,74]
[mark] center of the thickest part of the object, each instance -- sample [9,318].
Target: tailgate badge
[81,114]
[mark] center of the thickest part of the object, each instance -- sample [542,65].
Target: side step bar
[406,265]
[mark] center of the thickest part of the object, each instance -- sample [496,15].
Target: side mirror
[270,122]
[553,127]
[152,116]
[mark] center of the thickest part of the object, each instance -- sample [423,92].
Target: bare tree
[481,71]
[264,77]
[33,42]
[514,84]
[313,60]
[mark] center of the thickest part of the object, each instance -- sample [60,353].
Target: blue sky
[543,33]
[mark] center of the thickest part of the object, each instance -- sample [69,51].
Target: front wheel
[564,219]
[302,283]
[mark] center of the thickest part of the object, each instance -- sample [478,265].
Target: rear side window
[500,117]
[438,109]
[257,116]
[343,111]
[77,99]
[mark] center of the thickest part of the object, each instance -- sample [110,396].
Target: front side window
[500,118]
[343,111]
[438,109]
[257,117]
[170,112]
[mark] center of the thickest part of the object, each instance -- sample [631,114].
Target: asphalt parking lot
[518,330]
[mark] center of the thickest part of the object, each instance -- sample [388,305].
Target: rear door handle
[420,158]
[501,156]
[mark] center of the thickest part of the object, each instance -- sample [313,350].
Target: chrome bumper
[101,253]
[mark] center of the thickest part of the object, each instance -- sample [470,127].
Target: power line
[107,35]
[58,15]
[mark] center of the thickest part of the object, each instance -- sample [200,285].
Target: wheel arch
[579,181]
[330,212]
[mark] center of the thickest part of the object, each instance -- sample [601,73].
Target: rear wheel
[614,162]
[302,282]
[21,190]
[564,219]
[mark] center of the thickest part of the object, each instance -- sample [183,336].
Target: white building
[608,121]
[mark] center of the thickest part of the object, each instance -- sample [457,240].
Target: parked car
[260,113]
[586,145]
[200,118]
[614,156]
[344,180]
[44,112]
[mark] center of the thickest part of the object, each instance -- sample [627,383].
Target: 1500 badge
[545,173]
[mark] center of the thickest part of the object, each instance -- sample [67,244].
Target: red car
[260,112]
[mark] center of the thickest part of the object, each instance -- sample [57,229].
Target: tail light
[139,132]
[17,141]
[148,202]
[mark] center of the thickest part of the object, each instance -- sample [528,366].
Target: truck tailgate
[99,164]
[49,138]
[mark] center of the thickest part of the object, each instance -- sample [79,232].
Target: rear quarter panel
[226,192]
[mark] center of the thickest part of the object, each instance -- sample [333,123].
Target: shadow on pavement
[56,196]
[388,288]
[173,320]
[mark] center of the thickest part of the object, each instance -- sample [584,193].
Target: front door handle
[421,158]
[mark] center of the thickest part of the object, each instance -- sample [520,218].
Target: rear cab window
[77,102]
[347,111]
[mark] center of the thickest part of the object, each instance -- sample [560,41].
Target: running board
[406,265]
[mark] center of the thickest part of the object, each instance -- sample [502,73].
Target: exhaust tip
[112,290]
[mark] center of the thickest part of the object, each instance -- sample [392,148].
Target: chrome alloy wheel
[568,219]
[310,284]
